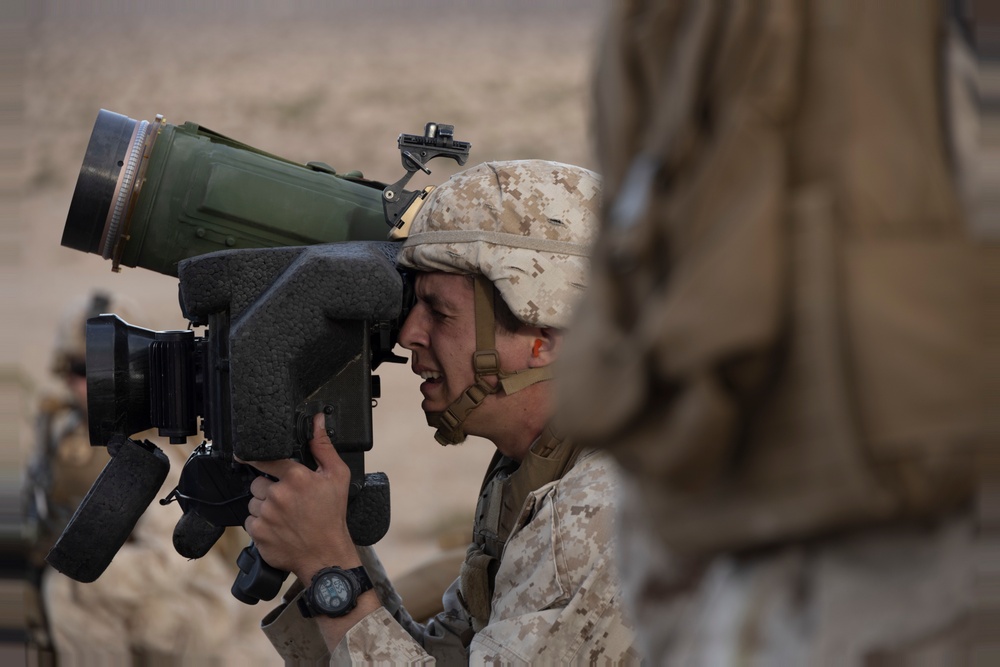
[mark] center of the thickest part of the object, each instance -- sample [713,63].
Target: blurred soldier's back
[784,343]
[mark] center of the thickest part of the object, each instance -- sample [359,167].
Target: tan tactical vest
[504,490]
[783,336]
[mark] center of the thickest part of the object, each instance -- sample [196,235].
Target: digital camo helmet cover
[526,225]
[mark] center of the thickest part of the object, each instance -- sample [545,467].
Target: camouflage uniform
[539,581]
[556,598]
[781,342]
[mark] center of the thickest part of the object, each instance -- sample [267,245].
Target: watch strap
[364,581]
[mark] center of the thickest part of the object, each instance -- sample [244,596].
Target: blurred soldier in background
[151,606]
[782,339]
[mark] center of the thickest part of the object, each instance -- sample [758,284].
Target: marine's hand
[299,522]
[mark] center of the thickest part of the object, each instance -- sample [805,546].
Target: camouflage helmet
[523,229]
[71,332]
[526,225]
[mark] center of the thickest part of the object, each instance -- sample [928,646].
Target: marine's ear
[546,347]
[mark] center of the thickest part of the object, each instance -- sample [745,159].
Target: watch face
[332,593]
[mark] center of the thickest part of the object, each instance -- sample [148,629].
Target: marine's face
[440,333]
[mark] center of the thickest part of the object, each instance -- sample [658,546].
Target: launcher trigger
[304,422]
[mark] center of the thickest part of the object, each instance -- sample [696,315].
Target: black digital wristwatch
[334,592]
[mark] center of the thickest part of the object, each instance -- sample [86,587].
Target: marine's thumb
[321,446]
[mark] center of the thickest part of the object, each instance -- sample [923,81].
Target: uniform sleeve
[296,639]
[377,638]
[388,635]
[446,637]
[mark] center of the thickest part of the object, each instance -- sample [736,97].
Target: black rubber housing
[95,186]
[109,511]
[298,318]
[194,535]
[368,511]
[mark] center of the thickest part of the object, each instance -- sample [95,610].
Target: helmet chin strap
[485,362]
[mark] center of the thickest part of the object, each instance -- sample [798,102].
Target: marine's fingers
[254,505]
[260,486]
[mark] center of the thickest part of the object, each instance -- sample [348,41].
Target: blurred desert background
[332,81]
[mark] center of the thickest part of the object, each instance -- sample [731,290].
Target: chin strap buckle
[486,362]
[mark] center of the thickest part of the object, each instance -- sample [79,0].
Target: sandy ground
[335,85]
